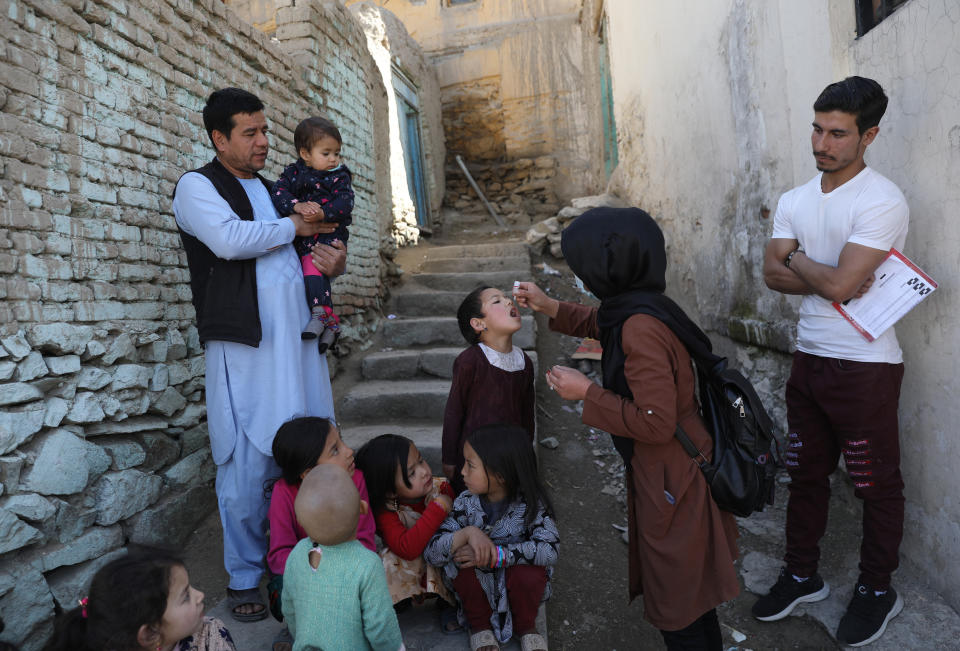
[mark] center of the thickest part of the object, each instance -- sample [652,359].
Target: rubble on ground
[546,234]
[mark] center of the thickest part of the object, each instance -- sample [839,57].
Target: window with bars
[871,12]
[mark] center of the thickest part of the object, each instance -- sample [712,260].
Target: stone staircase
[405,377]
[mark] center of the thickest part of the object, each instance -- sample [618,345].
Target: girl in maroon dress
[492,379]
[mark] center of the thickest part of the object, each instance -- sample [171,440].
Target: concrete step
[402,364]
[398,364]
[392,400]
[488,250]
[426,331]
[468,281]
[517,264]
[426,302]
[426,435]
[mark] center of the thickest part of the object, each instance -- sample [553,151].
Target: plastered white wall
[713,110]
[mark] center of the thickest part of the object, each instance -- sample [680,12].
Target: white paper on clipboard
[898,287]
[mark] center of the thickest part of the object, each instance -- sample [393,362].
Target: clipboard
[900,286]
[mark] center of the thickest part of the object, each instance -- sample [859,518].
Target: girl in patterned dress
[142,600]
[498,546]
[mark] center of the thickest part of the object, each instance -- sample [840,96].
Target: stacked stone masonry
[102,424]
[523,186]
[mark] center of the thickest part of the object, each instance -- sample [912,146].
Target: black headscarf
[619,255]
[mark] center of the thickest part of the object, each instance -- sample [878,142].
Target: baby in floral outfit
[317,186]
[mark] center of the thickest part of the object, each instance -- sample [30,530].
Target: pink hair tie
[83,606]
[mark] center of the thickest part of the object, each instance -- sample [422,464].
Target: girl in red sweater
[409,505]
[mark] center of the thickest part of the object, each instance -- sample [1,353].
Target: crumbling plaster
[713,110]
[535,60]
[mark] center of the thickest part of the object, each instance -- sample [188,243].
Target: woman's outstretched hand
[569,383]
[529,295]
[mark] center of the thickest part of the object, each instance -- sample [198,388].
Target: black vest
[224,291]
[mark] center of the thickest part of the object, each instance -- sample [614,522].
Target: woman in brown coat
[682,547]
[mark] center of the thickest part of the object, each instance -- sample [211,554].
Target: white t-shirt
[868,210]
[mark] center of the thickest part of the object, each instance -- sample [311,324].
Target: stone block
[56,410]
[191,415]
[29,506]
[177,345]
[160,379]
[119,495]
[7,369]
[94,349]
[131,375]
[60,338]
[63,365]
[193,469]
[167,402]
[28,609]
[17,424]
[89,545]
[71,583]
[10,467]
[125,452]
[59,387]
[128,426]
[161,450]
[155,351]
[18,393]
[16,345]
[178,373]
[73,519]
[15,533]
[31,367]
[171,520]
[55,469]
[121,348]
[86,409]
[193,439]
[93,378]
[98,460]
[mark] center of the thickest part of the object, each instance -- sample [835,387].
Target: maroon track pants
[837,406]
[525,585]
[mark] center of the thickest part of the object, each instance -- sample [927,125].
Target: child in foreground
[409,505]
[317,186]
[335,594]
[143,600]
[499,544]
[492,379]
[300,445]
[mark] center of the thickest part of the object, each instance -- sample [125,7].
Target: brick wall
[102,432]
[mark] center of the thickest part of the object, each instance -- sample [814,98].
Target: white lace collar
[512,361]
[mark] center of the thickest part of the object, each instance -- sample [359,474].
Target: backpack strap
[691,449]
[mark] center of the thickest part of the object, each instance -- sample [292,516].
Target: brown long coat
[681,554]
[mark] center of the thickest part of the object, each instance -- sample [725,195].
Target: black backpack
[745,452]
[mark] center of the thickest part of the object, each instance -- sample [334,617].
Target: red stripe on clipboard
[856,325]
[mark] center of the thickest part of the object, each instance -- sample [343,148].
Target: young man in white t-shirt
[829,236]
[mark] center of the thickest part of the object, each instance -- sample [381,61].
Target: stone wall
[519,189]
[708,144]
[102,424]
[393,49]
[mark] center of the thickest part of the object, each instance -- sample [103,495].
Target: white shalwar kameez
[252,391]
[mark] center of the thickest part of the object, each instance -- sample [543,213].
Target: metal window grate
[871,12]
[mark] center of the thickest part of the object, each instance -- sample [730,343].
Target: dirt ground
[589,608]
